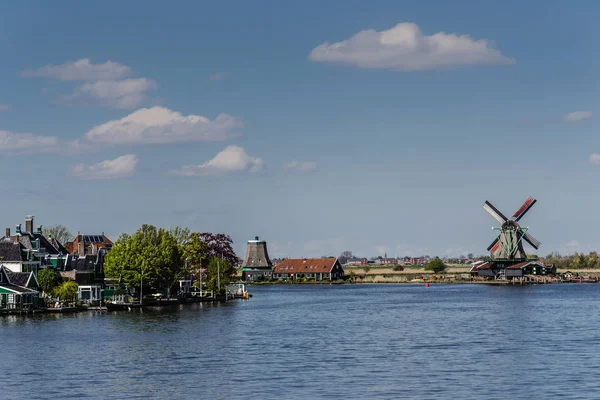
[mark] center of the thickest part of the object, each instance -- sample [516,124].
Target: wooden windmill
[509,243]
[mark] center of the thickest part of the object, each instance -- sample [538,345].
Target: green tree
[66,290]
[152,255]
[48,278]
[195,254]
[436,265]
[219,275]
[58,232]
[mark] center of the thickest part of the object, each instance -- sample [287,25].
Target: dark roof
[305,265]
[523,264]
[18,289]
[10,251]
[17,278]
[58,246]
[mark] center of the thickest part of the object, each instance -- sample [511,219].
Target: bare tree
[58,232]
[345,256]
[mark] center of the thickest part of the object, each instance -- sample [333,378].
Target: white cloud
[80,70]
[595,158]
[104,84]
[404,48]
[578,116]
[5,107]
[232,159]
[125,94]
[300,165]
[28,143]
[109,169]
[161,125]
[217,76]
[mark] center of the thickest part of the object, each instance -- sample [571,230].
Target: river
[319,341]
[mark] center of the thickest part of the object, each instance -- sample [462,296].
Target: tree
[195,254]
[345,256]
[58,232]
[436,265]
[218,275]
[48,278]
[150,255]
[182,235]
[66,290]
[366,268]
[220,245]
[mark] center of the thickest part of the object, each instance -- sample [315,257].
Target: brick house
[311,268]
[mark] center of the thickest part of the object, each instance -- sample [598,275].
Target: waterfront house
[87,264]
[496,270]
[310,268]
[18,289]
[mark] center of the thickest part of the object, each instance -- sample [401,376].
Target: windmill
[509,243]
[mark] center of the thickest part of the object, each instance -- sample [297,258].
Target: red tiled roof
[305,265]
[485,265]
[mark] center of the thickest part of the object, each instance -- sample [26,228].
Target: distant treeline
[574,261]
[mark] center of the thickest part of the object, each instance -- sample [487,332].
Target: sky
[375,127]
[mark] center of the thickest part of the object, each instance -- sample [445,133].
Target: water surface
[319,341]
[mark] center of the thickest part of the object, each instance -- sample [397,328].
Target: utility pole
[141,286]
[219,276]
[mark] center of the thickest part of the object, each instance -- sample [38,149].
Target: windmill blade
[493,245]
[531,240]
[498,216]
[524,208]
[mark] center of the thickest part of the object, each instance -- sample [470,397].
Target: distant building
[89,244]
[257,264]
[40,251]
[310,268]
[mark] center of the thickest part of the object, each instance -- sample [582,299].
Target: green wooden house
[18,290]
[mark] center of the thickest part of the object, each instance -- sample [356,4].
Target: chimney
[8,232]
[81,248]
[29,223]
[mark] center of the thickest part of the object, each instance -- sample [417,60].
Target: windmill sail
[494,212]
[494,246]
[524,208]
[532,241]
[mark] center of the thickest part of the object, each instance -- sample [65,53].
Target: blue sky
[318,126]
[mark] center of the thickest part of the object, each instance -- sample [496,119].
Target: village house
[87,265]
[41,251]
[18,289]
[15,257]
[310,268]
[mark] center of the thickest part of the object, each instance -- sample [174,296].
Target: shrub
[436,265]
[398,268]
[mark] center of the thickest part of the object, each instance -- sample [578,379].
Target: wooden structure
[257,264]
[508,259]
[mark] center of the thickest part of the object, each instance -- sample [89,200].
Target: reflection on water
[305,341]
